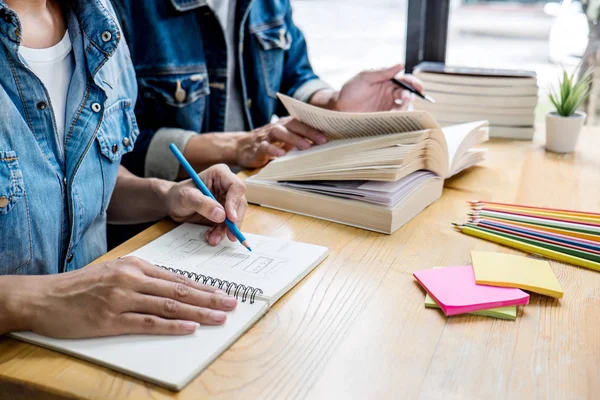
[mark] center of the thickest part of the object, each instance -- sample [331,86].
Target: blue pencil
[188,168]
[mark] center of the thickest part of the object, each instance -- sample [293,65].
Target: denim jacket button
[3,202]
[96,107]
[70,258]
[115,148]
[106,36]
[180,93]
[42,105]
[126,142]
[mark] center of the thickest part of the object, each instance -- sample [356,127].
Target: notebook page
[273,266]
[169,361]
[343,125]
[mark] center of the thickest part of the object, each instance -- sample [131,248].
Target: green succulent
[572,93]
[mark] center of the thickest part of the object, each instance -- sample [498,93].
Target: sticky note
[507,270]
[455,291]
[508,312]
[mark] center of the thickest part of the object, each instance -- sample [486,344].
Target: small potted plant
[564,125]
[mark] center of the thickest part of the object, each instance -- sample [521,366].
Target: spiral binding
[231,288]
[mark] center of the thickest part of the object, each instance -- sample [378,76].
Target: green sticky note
[509,312]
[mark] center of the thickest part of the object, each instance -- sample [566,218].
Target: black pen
[411,89]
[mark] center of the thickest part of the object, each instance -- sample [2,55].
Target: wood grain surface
[356,327]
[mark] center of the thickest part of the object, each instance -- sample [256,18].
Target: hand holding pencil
[215,196]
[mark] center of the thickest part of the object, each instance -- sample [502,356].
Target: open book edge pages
[385,214]
[387,156]
[345,125]
[276,266]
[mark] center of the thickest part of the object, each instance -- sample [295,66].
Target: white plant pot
[562,132]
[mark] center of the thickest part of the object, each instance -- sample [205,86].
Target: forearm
[208,149]
[201,150]
[137,200]
[325,98]
[15,309]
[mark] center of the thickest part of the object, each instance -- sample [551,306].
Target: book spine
[239,291]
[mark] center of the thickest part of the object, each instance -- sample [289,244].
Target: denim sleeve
[299,80]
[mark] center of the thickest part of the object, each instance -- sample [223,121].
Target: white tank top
[54,67]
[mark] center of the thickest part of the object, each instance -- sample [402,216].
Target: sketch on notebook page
[184,251]
[254,264]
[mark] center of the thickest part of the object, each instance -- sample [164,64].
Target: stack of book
[506,98]
[569,236]
[377,171]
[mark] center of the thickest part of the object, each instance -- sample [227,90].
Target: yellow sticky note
[507,270]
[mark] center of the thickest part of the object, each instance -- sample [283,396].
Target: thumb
[193,201]
[381,75]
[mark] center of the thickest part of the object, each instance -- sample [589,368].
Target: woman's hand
[124,296]
[255,149]
[186,203]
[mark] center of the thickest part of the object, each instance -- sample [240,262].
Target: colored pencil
[555,223]
[587,244]
[525,235]
[561,249]
[581,235]
[540,214]
[527,247]
[558,210]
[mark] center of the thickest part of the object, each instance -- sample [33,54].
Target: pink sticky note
[456,292]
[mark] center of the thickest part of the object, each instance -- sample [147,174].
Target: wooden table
[356,327]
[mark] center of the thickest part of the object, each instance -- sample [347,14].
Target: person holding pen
[67,96]
[208,74]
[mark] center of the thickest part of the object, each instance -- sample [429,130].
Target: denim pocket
[116,137]
[15,230]
[173,99]
[274,41]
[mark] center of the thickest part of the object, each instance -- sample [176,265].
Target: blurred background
[346,36]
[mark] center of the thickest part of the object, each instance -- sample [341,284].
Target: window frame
[426,31]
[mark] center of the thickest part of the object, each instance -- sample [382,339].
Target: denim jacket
[178,50]
[53,204]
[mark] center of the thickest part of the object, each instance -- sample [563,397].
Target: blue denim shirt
[53,205]
[178,50]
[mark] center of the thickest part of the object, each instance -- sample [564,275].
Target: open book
[258,279]
[377,172]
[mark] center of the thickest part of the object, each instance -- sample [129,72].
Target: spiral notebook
[257,279]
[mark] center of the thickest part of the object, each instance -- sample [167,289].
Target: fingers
[270,150]
[152,271]
[381,75]
[172,309]
[193,201]
[414,82]
[234,199]
[298,128]
[216,234]
[280,133]
[133,323]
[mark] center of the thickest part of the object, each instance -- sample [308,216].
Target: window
[527,34]
[347,36]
